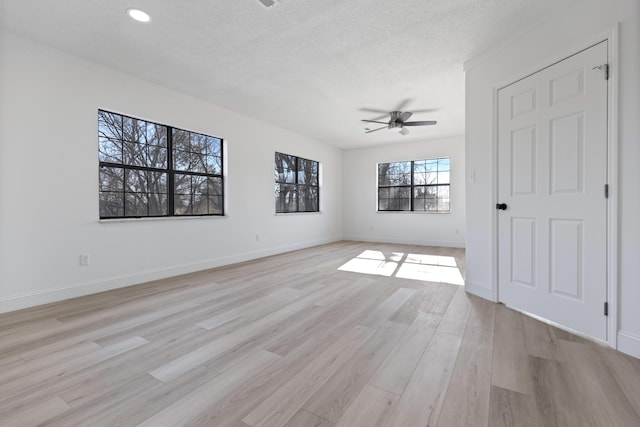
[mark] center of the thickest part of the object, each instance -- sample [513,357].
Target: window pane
[444,165]
[134,154]
[110,151]
[136,204]
[215,205]
[200,204]
[307,172]
[111,204]
[182,204]
[197,143]
[420,173]
[156,134]
[198,163]
[443,198]
[156,157]
[111,179]
[285,168]
[109,125]
[214,164]
[181,160]
[157,182]
[182,184]
[158,204]
[214,186]
[180,140]
[135,181]
[198,184]
[213,146]
[286,198]
[307,199]
[443,177]
[134,130]
[419,198]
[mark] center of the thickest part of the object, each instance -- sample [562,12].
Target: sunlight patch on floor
[423,267]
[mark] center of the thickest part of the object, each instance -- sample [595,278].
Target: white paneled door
[552,209]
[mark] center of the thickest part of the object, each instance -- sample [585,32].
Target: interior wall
[361,220]
[568,31]
[49,183]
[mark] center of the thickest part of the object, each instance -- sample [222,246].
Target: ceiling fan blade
[404,116]
[403,131]
[373,130]
[424,110]
[375,110]
[420,123]
[373,121]
[403,104]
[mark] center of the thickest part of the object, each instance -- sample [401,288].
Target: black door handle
[501,206]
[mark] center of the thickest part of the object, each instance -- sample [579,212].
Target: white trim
[17,302]
[480,291]
[367,239]
[629,343]
[611,37]
[612,177]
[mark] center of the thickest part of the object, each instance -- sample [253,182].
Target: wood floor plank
[557,402]
[512,409]
[371,408]
[595,384]
[396,370]
[471,376]
[279,407]
[37,415]
[510,367]
[422,399]
[303,418]
[189,361]
[196,402]
[332,399]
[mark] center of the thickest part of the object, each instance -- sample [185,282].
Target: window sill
[297,213]
[414,212]
[161,218]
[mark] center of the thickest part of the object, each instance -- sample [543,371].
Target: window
[297,184]
[151,170]
[420,185]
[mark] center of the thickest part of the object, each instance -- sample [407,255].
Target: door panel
[552,160]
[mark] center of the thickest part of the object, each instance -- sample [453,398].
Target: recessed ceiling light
[139,15]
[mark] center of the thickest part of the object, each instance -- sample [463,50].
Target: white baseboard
[479,291]
[18,302]
[447,244]
[629,343]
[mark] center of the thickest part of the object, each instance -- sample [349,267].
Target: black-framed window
[297,184]
[147,169]
[417,185]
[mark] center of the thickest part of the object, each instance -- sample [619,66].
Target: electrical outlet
[257,237]
[84,260]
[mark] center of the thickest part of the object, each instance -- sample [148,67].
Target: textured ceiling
[304,65]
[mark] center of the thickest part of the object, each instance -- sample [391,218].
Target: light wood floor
[290,340]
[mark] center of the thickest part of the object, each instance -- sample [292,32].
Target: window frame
[412,186]
[297,184]
[169,170]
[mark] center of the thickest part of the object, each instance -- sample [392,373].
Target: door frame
[612,37]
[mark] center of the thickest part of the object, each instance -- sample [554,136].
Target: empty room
[306,213]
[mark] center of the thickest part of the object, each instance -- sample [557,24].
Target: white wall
[566,32]
[362,222]
[49,183]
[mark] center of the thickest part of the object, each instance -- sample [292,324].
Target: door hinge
[605,68]
[606,191]
[606,308]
